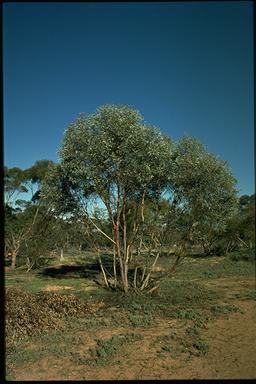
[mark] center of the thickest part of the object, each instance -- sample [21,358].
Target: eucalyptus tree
[113,158]
[240,230]
[25,181]
[24,224]
[204,193]
[13,184]
[33,177]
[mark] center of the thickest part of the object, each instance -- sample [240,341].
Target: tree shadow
[89,270]
[70,271]
[200,256]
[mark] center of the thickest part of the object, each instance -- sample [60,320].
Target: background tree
[25,224]
[240,229]
[13,184]
[204,194]
[33,177]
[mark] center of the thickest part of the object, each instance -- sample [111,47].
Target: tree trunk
[61,255]
[114,266]
[14,252]
[119,251]
[14,255]
[126,248]
[119,256]
[103,270]
[135,278]
[145,282]
[126,283]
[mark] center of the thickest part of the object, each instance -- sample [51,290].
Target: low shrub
[247,254]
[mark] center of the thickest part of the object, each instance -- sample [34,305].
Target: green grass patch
[189,343]
[57,337]
[27,281]
[201,347]
[173,295]
[107,349]
[53,345]
[143,320]
[190,314]
[211,267]
[219,310]
[194,330]
[251,295]
[167,348]
[20,356]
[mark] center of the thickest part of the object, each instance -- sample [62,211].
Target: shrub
[247,254]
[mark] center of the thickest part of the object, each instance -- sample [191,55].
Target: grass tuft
[106,349]
[201,347]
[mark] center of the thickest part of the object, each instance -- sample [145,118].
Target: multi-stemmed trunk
[123,241]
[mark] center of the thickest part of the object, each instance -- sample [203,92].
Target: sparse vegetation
[106,349]
[55,323]
[201,347]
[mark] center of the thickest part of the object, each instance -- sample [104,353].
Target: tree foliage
[204,192]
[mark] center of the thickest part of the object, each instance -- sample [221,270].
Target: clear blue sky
[187,67]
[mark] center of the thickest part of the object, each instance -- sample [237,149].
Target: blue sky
[187,67]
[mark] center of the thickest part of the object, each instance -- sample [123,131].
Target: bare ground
[232,352]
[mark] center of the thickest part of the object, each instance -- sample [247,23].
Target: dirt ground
[232,349]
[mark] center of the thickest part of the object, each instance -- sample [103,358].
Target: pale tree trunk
[61,255]
[14,245]
[114,266]
[126,248]
[139,248]
[122,250]
[120,258]
[242,241]
[103,270]
[119,251]
[115,241]
[146,281]
[14,257]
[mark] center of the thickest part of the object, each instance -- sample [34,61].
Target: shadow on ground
[89,270]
